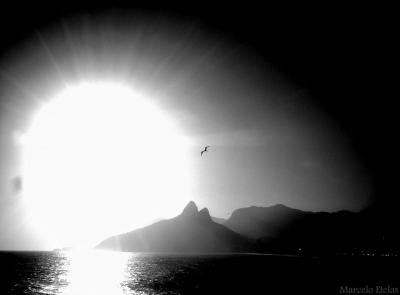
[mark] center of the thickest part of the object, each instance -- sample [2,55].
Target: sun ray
[51,57]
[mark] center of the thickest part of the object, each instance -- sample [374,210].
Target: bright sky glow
[100,159]
[103,118]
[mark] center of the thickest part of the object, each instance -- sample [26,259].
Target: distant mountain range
[264,229]
[260,222]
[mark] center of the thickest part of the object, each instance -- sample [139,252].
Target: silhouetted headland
[275,229]
[191,231]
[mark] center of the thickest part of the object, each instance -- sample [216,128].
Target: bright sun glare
[99,160]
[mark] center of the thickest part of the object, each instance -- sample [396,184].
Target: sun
[100,159]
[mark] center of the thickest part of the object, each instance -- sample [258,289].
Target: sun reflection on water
[95,272]
[112,273]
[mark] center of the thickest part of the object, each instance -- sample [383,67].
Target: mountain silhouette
[191,231]
[275,229]
[282,229]
[260,222]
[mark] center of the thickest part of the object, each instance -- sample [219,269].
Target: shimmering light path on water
[72,272]
[94,272]
[112,273]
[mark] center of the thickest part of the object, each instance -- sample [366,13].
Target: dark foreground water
[97,272]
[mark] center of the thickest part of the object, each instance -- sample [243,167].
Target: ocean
[112,273]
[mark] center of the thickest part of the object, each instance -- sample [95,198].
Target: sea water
[112,273]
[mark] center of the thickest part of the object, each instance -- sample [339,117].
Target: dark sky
[318,130]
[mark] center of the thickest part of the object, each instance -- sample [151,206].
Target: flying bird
[205,150]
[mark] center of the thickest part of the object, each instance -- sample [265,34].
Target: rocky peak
[204,215]
[190,209]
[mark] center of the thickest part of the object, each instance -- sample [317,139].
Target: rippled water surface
[112,273]
[98,272]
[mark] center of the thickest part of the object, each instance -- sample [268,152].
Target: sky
[274,137]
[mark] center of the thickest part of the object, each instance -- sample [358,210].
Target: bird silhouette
[205,150]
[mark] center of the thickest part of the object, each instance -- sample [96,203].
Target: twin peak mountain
[191,212]
[191,231]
